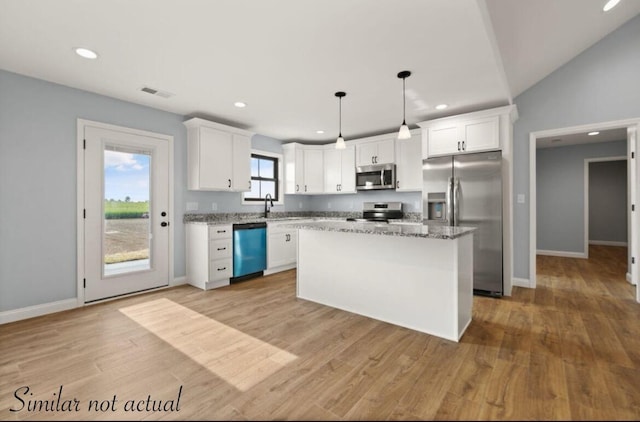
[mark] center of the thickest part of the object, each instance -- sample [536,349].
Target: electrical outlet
[329,205]
[214,206]
[192,206]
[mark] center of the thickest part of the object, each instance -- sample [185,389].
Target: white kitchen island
[411,275]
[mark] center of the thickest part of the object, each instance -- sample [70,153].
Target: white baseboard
[520,282]
[607,243]
[37,310]
[280,268]
[177,281]
[563,254]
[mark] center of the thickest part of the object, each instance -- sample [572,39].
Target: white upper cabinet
[375,152]
[339,169]
[218,157]
[461,134]
[409,163]
[304,168]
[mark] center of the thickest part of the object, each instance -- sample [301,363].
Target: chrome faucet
[267,197]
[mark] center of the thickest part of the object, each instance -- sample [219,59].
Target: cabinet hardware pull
[458,145]
[397,183]
[297,188]
[221,249]
[373,161]
[221,231]
[249,184]
[222,269]
[463,147]
[305,188]
[337,188]
[229,182]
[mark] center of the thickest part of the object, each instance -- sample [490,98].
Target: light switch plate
[214,206]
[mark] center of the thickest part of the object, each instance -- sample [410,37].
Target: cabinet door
[289,156]
[482,134]
[332,170]
[385,152]
[216,149]
[282,249]
[299,171]
[443,140]
[366,153]
[241,180]
[348,170]
[409,164]
[313,170]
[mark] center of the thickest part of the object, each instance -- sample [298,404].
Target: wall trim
[521,282]
[37,310]
[607,243]
[564,254]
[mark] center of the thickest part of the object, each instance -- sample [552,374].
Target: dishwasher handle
[249,226]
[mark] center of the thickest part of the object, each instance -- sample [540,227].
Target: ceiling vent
[152,91]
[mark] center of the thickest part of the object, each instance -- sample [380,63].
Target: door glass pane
[127,217]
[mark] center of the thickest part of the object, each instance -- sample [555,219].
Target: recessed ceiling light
[320,132]
[86,53]
[610,5]
[240,104]
[441,106]
[592,133]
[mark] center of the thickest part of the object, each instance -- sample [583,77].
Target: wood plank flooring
[568,350]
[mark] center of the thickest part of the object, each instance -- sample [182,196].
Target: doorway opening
[630,127]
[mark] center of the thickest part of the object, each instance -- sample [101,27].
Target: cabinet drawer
[220,269]
[219,249]
[220,232]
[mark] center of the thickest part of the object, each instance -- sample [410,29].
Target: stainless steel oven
[377,176]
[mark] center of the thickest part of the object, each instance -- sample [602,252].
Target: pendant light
[340,141]
[404,133]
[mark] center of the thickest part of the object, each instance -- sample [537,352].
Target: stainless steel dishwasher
[249,250]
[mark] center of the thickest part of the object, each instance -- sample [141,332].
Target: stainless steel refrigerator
[466,190]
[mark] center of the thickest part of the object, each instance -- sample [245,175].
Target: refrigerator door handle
[449,203]
[456,201]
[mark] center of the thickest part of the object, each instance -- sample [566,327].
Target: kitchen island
[411,275]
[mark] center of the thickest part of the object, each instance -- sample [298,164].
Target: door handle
[448,200]
[456,201]
[164,224]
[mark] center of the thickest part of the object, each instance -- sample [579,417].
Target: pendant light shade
[404,132]
[340,141]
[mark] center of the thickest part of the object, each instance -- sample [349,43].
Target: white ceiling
[287,58]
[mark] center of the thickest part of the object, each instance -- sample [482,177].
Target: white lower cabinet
[282,246]
[209,255]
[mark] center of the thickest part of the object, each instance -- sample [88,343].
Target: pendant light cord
[404,104]
[340,118]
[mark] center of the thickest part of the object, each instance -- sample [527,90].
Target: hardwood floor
[569,349]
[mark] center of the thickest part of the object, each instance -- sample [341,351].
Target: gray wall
[608,201]
[599,85]
[560,193]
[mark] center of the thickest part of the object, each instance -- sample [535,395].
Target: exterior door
[126,213]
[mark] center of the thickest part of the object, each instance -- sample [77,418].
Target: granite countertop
[235,218]
[400,228]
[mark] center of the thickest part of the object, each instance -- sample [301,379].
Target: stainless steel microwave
[377,176]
